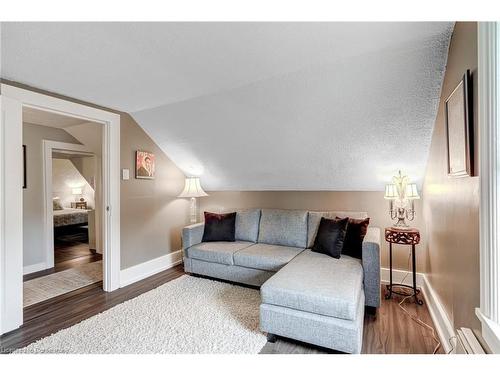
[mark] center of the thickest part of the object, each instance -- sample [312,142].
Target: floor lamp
[193,190]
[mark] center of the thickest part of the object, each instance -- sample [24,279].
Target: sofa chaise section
[317,283]
[317,299]
[338,334]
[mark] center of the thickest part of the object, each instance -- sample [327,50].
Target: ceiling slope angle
[344,124]
[254,106]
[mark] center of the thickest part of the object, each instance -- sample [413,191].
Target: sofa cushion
[317,283]
[247,225]
[314,218]
[283,227]
[265,257]
[216,252]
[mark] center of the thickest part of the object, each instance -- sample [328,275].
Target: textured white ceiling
[251,106]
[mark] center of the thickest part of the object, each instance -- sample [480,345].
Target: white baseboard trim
[399,275]
[141,271]
[442,322]
[34,268]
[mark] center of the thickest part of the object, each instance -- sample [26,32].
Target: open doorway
[12,102]
[62,205]
[74,196]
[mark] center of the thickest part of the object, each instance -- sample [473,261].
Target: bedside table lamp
[193,190]
[401,194]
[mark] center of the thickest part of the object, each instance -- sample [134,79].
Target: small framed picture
[25,182]
[459,128]
[144,165]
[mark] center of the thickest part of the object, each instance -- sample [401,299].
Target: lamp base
[401,215]
[401,224]
[193,211]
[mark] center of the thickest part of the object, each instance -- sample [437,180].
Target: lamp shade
[391,191]
[76,191]
[412,191]
[192,188]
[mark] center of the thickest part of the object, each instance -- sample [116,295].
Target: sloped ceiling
[254,106]
[44,118]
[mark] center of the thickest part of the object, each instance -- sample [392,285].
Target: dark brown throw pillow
[356,232]
[330,237]
[219,227]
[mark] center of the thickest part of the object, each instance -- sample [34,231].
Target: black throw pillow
[330,237]
[219,227]
[356,232]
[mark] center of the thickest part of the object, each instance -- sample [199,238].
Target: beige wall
[33,199]
[372,202]
[451,205]
[152,216]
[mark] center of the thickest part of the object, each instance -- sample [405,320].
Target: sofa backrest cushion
[247,225]
[315,217]
[283,227]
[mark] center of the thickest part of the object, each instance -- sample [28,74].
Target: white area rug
[53,285]
[186,315]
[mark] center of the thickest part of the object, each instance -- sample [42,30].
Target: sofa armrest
[192,235]
[371,267]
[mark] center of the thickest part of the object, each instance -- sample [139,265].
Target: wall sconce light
[401,194]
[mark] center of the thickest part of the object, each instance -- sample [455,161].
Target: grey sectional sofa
[306,296]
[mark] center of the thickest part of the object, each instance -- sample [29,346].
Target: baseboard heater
[467,342]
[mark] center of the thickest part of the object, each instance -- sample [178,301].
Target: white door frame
[12,101]
[11,216]
[48,223]
[489,211]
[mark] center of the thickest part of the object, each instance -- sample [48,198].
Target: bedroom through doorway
[73,208]
[62,205]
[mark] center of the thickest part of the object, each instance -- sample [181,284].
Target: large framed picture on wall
[459,128]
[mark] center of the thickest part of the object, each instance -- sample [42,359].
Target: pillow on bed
[56,204]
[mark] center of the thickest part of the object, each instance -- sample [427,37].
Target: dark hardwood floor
[71,249]
[72,244]
[390,331]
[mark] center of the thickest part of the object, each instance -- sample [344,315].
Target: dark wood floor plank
[70,250]
[390,331]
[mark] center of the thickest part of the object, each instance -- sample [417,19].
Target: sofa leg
[271,338]
[370,310]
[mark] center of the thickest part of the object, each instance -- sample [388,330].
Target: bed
[70,216]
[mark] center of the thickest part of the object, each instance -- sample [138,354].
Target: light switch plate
[125,174]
